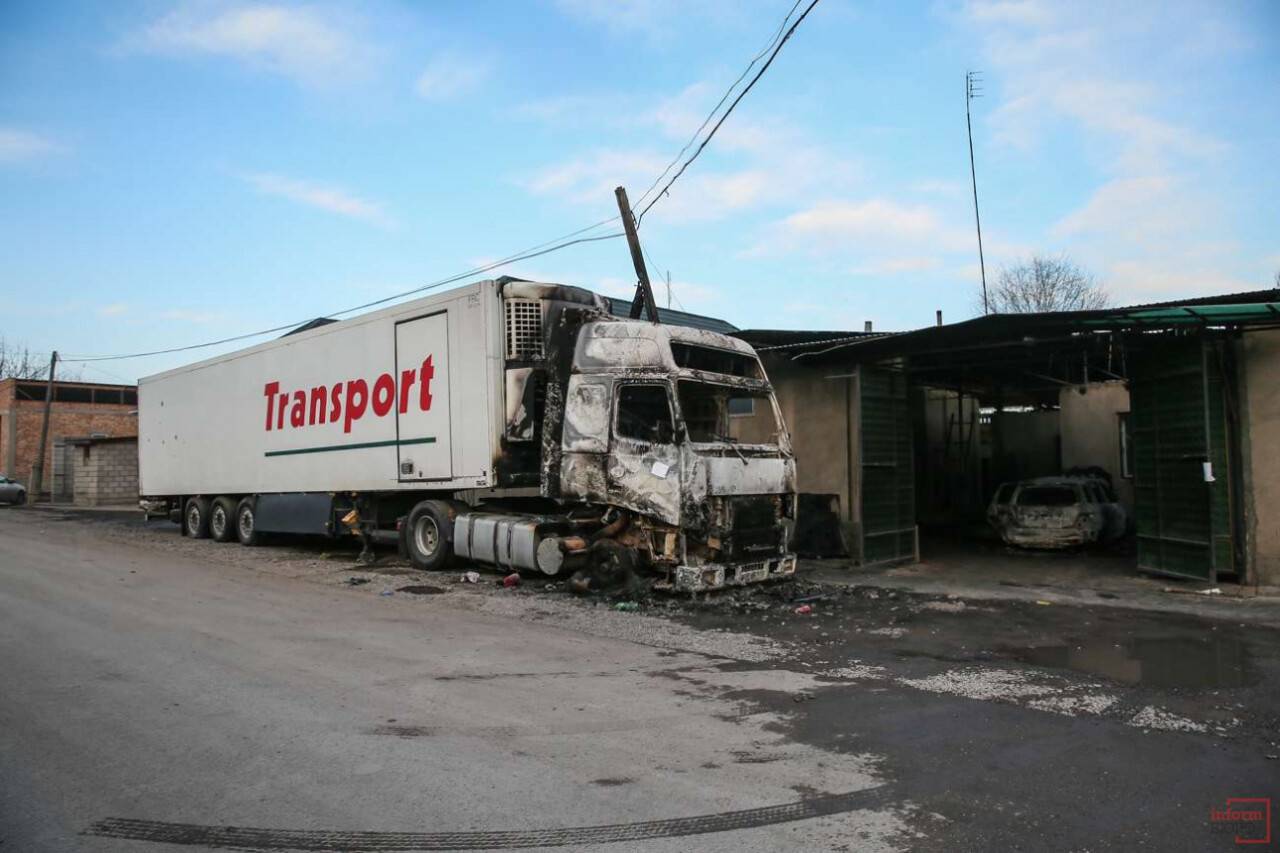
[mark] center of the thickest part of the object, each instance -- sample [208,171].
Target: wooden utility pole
[644,293]
[37,473]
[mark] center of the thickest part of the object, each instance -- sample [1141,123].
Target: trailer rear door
[423,427]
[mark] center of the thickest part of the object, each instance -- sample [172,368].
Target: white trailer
[505,421]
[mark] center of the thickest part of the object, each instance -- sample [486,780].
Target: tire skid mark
[259,839]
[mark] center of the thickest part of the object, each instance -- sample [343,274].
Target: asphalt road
[167,699]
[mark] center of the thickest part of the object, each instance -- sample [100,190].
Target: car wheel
[20,499]
[195,518]
[247,523]
[222,520]
[428,535]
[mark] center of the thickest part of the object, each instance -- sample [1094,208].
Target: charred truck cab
[512,423]
[634,421]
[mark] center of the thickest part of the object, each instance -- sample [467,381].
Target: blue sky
[173,173]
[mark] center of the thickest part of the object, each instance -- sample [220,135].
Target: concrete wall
[821,416]
[1091,431]
[1259,373]
[106,473]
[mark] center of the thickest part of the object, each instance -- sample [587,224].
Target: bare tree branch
[1044,283]
[19,362]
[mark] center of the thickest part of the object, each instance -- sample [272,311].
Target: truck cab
[650,427]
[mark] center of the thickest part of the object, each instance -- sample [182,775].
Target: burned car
[1057,512]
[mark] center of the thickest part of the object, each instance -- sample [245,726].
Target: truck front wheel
[428,535]
[195,518]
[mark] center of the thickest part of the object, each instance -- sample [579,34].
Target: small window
[742,407]
[1126,447]
[1004,493]
[644,414]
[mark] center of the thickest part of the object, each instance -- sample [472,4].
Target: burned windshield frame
[705,409]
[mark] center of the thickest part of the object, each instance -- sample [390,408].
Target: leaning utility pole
[644,293]
[973,89]
[37,473]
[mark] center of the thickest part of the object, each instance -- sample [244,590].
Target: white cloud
[188,315]
[894,266]
[749,165]
[295,41]
[18,145]
[327,198]
[876,221]
[113,310]
[1156,223]
[451,75]
[1024,12]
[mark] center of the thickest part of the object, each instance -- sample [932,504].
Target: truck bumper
[717,575]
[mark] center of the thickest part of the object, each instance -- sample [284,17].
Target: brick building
[80,409]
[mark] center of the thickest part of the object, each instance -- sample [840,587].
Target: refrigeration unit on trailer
[508,422]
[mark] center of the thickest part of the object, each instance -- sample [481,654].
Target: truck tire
[195,518]
[246,523]
[222,520]
[428,535]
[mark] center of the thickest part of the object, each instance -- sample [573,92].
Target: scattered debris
[944,606]
[1181,591]
[986,684]
[626,606]
[353,581]
[387,592]
[803,610]
[1152,717]
[1043,603]
[510,580]
[1074,706]
[469,577]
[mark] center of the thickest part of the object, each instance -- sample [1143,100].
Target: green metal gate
[1179,428]
[888,482]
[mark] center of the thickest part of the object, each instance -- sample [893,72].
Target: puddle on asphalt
[1155,662]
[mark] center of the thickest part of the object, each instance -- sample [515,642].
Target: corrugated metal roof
[622,308]
[767,339]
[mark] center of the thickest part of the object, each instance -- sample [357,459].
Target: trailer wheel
[246,526]
[222,520]
[428,535]
[195,518]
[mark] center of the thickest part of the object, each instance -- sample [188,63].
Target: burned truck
[510,423]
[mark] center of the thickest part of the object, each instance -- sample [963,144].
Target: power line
[562,242]
[772,56]
[533,252]
[720,103]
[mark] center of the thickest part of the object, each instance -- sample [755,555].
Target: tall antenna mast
[973,89]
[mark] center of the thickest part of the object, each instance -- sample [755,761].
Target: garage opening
[1081,443]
